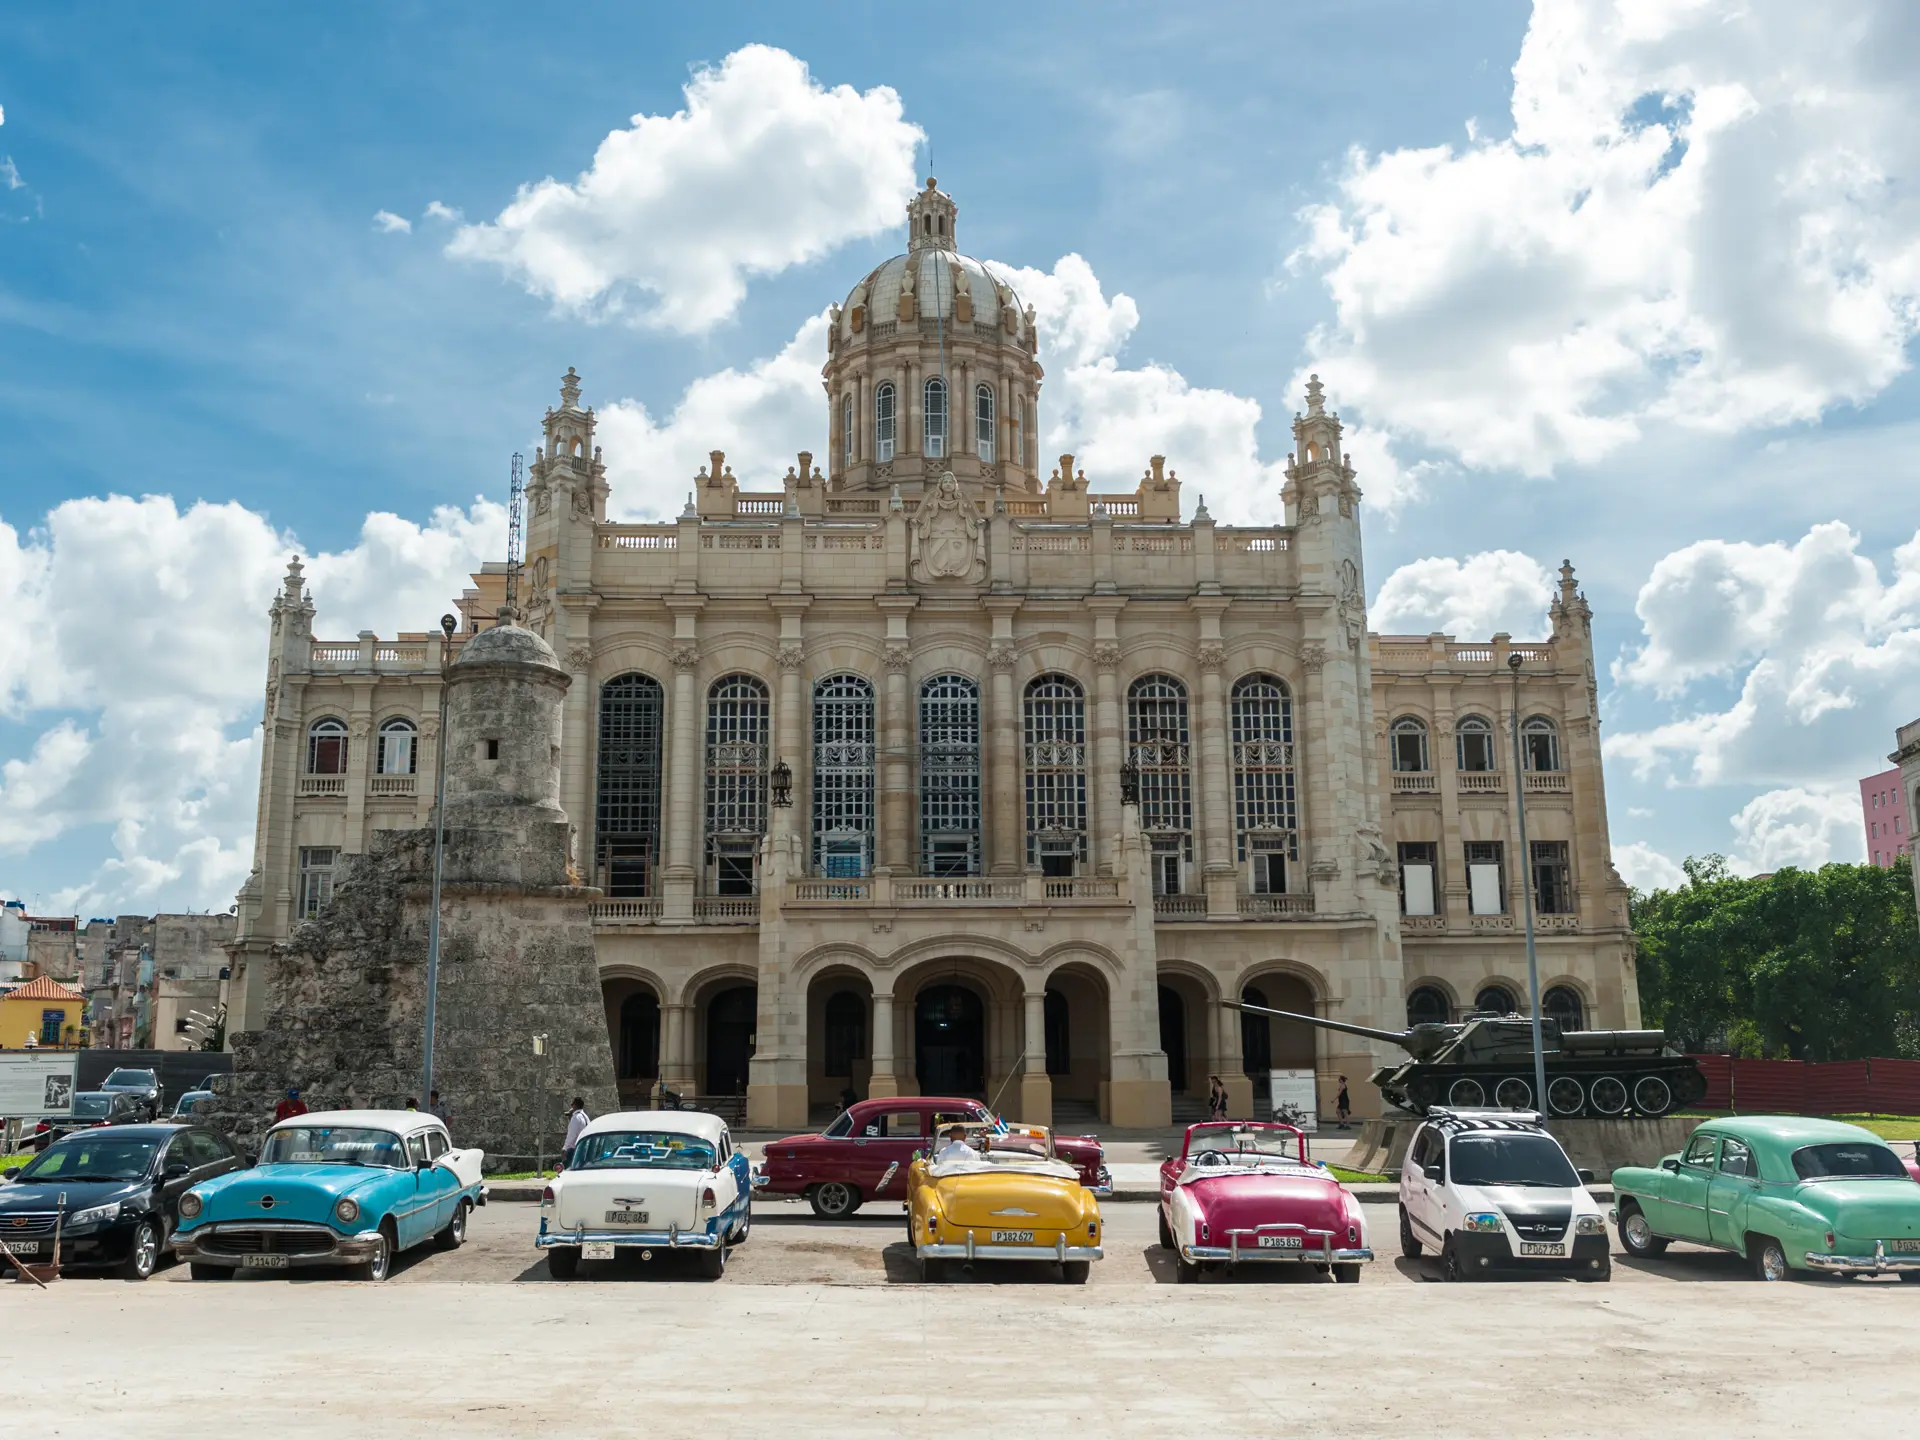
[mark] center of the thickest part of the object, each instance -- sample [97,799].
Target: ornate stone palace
[939,770]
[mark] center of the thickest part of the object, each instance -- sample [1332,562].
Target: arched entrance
[731,1014]
[1173,1037]
[1078,1055]
[637,1056]
[1267,1043]
[950,1041]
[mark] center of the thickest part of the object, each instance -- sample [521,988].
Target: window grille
[1540,744]
[1428,1005]
[326,748]
[1056,735]
[983,435]
[737,717]
[950,776]
[1563,1003]
[883,423]
[846,1033]
[316,879]
[1409,743]
[1159,746]
[397,752]
[1265,813]
[1496,1000]
[1552,877]
[627,809]
[936,418]
[1474,740]
[842,776]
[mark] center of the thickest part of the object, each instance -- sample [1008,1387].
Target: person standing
[1343,1107]
[291,1106]
[577,1119]
[1216,1098]
[438,1108]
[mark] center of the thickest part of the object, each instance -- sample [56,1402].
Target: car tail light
[1829,1239]
[1203,1232]
[709,1199]
[546,1195]
[42,1127]
[1353,1235]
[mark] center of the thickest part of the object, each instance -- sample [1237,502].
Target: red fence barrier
[1802,1087]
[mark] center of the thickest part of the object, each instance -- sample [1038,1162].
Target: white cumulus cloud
[1645,868]
[1699,216]
[1800,826]
[1482,595]
[764,169]
[388,223]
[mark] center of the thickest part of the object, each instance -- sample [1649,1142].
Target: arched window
[949,776]
[1473,739]
[883,424]
[396,754]
[1264,813]
[1158,747]
[846,1035]
[846,429]
[936,418]
[327,747]
[1562,1003]
[1056,734]
[1495,1000]
[626,824]
[1427,1005]
[842,776]
[737,715]
[983,423]
[1409,741]
[1540,743]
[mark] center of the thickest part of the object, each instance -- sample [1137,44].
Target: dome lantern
[930,218]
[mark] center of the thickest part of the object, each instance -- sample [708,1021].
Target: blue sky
[1636,302]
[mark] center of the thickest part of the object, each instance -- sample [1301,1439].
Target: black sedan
[91,1108]
[115,1193]
[144,1084]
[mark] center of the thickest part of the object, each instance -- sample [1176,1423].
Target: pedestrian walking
[577,1119]
[438,1108]
[1343,1107]
[1216,1098]
[291,1106]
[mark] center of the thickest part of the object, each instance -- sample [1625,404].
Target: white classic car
[647,1180]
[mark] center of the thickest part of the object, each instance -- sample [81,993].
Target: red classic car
[1246,1191]
[864,1154]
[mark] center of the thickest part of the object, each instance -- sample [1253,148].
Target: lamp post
[780,785]
[447,626]
[1514,662]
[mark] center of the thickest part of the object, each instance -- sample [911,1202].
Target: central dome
[943,285]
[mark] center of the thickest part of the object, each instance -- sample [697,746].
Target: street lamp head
[1515,660]
[780,784]
[1129,783]
[448,624]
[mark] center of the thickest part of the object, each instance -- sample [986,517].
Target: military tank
[1487,1060]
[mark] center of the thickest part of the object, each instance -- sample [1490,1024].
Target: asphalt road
[823,1329]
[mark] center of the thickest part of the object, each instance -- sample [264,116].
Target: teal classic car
[1784,1192]
[339,1187]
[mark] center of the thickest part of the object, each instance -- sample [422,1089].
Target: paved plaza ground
[822,1329]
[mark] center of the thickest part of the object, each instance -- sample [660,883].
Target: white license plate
[1534,1247]
[626,1217]
[1904,1247]
[264,1262]
[597,1250]
[1013,1237]
[1281,1242]
[24,1247]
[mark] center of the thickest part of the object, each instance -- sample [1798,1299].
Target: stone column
[896,776]
[684,769]
[1138,1094]
[360,743]
[1231,1065]
[1006,854]
[578,749]
[1313,760]
[884,1084]
[1107,749]
[1215,815]
[676,1049]
[1036,1087]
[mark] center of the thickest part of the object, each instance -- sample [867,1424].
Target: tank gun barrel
[1392,1037]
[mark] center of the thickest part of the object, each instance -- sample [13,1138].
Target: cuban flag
[999,1125]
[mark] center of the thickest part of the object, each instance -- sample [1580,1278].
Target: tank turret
[1488,1060]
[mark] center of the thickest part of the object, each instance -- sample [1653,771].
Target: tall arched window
[1562,1003]
[737,716]
[1473,741]
[1409,742]
[842,776]
[1540,743]
[1159,748]
[327,747]
[1495,1000]
[626,825]
[1056,733]
[846,1033]
[1427,1005]
[949,776]
[1265,817]
[935,427]
[983,435]
[846,429]
[883,424]
[397,754]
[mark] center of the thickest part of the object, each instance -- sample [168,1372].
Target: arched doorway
[950,1041]
[846,1034]
[1059,1033]
[730,1037]
[638,1053]
[1267,1043]
[1173,1037]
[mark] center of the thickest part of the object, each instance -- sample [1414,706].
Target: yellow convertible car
[1000,1195]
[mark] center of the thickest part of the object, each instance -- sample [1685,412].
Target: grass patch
[1359,1177]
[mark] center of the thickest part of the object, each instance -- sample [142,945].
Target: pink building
[1881,810]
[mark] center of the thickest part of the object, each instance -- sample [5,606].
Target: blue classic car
[352,1187]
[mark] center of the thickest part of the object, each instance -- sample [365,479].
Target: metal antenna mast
[516,546]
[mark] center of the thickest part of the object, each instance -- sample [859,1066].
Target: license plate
[626,1217]
[1013,1237]
[1281,1242]
[1904,1247]
[1534,1247]
[28,1247]
[264,1262]
[597,1250]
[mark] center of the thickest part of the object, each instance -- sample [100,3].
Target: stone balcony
[1413,925]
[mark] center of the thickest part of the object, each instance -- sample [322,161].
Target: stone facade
[969,664]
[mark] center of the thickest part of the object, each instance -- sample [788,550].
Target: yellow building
[42,1013]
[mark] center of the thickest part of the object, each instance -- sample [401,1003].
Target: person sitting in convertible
[956,1147]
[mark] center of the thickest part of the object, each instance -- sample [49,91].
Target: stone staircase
[1075,1116]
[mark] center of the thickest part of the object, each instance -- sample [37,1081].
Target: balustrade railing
[390,785]
[1548,784]
[626,912]
[329,785]
[1175,907]
[1082,888]
[970,889]
[1275,907]
[1413,785]
[726,909]
[1423,924]
[1484,782]
[818,890]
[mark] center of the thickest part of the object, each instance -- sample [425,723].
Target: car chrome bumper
[1262,1255]
[1878,1263]
[347,1250]
[1102,1188]
[760,1180]
[1056,1254]
[637,1239]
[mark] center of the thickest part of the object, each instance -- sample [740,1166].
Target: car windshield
[1511,1159]
[642,1149]
[842,1126]
[1250,1142]
[334,1145]
[96,1156]
[91,1106]
[129,1078]
[1852,1160]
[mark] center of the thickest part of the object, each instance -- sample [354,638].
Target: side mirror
[1670,1165]
[9,1174]
[1433,1171]
[1586,1176]
[176,1170]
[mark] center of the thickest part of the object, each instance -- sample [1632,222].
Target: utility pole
[447,626]
[1514,661]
